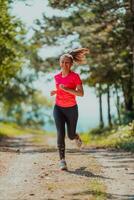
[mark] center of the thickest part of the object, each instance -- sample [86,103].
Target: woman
[68,86]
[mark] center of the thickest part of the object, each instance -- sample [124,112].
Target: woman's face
[65,63]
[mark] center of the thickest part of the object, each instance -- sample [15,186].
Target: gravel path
[29,171]
[32,171]
[118,167]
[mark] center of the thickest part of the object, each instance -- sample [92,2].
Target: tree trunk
[128,84]
[108,106]
[128,94]
[132,13]
[100,107]
[118,103]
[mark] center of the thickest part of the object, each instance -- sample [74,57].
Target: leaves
[11,45]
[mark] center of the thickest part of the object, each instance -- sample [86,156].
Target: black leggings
[62,116]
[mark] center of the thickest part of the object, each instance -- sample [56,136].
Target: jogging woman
[68,86]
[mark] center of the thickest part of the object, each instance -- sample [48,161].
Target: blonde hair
[77,55]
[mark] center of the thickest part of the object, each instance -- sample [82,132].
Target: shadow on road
[82,172]
[105,195]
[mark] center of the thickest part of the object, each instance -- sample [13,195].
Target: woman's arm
[53,92]
[78,91]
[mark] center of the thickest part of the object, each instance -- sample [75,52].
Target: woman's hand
[78,91]
[53,92]
[62,86]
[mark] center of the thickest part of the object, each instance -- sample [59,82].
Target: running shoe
[63,165]
[78,141]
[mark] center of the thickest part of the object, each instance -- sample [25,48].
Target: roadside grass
[98,190]
[121,137]
[12,130]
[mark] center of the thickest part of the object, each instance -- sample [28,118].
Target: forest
[96,163]
[106,28]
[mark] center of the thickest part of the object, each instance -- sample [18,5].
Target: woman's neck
[65,72]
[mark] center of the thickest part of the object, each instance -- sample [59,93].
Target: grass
[121,137]
[96,187]
[12,130]
[97,190]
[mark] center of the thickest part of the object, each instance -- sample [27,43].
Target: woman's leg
[60,125]
[71,114]
[72,117]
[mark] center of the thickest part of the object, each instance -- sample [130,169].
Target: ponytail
[77,55]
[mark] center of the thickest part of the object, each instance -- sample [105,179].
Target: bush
[99,131]
[127,117]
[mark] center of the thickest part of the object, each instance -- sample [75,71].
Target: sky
[88,105]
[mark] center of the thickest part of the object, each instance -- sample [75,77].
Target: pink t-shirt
[63,98]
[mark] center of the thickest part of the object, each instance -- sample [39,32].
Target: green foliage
[12,130]
[25,107]
[127,117]
[98,190]
[105,27]
[11,45]
[20,102]
[121,137]
[98,131]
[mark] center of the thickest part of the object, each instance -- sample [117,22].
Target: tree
[23,104]
[101,26]
[11,45]
[20,102]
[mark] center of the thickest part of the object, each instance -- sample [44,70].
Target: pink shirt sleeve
[78,81]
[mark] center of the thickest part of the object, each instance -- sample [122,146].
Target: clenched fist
[53,92]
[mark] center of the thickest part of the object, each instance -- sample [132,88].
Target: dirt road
[29,171]
[118,167]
